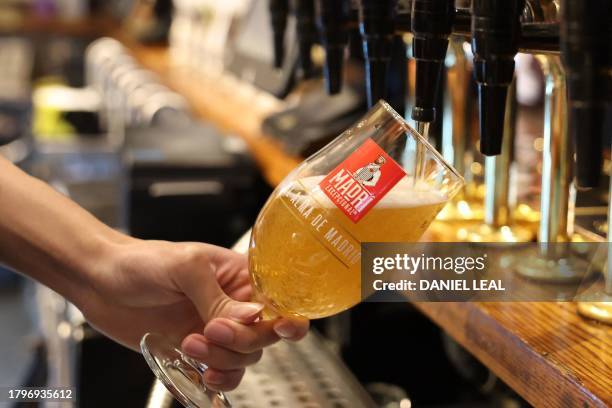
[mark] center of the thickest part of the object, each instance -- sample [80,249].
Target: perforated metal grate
[300,375]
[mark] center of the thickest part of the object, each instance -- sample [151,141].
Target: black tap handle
[306,32]
[332,18]
[495,38]
[163,8]
[397,83]
[431,24]
[279,12]
[586,38]
[376,23]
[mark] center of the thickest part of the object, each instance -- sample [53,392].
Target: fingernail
[245,311]
[219,333]
[285,329]
[213,377]
[195,348]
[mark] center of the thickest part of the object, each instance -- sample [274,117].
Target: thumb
[197,280]
[241,312]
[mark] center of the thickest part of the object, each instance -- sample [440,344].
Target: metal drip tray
[299,375]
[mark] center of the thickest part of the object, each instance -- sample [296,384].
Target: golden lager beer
[305,253]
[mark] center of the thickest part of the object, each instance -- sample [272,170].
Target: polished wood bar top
[545,351]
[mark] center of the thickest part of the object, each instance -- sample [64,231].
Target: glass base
[598,307]
[180,374]
[538,267]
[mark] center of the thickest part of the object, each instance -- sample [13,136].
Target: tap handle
[431,25]
[306,32]
[279,11]
[495,38]
[332,18]
[376,24]
[586,35]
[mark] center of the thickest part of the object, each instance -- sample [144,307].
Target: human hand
[196,294]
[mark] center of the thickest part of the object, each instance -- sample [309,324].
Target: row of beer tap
[571,40]
[577,31]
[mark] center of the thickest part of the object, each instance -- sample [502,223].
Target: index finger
[248,338]
[243,338]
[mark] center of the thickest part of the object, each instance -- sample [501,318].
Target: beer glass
[379,181]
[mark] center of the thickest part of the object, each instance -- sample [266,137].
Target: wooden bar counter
[546,352]
[230,107]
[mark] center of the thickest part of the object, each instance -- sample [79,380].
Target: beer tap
[279,13]
[397,82]
[585,41]
[495,40]
[553,262]
[431,26]
[376,24]
[332,19]
[585,49]
[496,31]
[306,33]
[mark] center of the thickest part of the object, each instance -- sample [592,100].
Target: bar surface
[545,351]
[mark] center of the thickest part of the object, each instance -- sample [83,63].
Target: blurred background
[175,120]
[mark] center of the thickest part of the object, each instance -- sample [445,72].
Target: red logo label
[362,180]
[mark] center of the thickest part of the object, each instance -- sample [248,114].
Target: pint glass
[379,181]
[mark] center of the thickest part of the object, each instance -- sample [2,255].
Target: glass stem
[196,365]
[217,398]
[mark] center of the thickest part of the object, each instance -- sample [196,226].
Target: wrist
[95,263]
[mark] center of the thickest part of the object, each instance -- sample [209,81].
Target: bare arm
[46,235]
[193,292]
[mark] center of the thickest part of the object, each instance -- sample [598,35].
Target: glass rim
[420,139]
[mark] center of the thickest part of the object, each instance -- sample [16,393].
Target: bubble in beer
[304,256]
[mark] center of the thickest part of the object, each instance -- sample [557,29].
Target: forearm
[46,236]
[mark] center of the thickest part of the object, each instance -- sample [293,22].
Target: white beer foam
[406,193]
